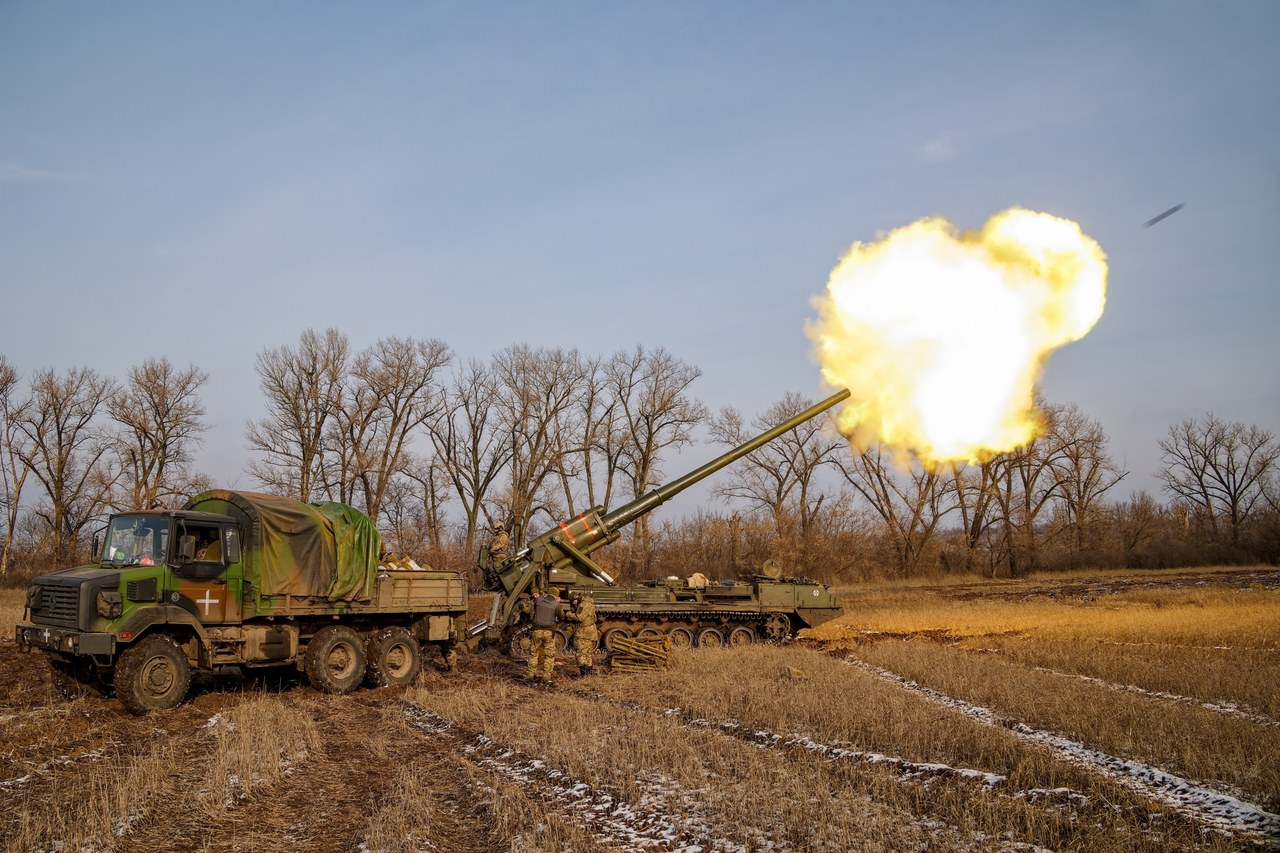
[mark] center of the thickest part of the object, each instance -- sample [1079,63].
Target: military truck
[691,611]
[239,579]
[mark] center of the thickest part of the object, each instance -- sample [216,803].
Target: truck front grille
[59,605]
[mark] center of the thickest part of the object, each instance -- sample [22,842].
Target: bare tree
[1031,480]
[1137,521]
[469,441]
[390,393]
[590,454]
[975,499]
[779,478]
[1084,471]
[425,485]
[66,453]
[651,390]
[911,504]
[160,416]
[13,473]
[536,389]
[303,388]
[1221,469]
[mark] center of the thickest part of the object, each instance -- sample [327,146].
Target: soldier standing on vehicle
[586,636]
[542,642]
[498,547]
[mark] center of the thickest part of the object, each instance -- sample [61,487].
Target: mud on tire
[335,660]
[394,658]
[152,675]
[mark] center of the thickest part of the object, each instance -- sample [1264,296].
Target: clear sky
[205,180]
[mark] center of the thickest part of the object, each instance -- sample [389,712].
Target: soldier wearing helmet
[547,609]
[499,545]
[586,636]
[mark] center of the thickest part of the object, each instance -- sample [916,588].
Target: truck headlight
[110,604]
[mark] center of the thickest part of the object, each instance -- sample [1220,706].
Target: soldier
[449,651]
[542,642]
[498,547]
[585,637]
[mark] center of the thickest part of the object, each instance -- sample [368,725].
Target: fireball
[941,336]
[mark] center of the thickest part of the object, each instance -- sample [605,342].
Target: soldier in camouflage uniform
[586,636]
[542,642]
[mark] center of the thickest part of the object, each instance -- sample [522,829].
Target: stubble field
[1125,712]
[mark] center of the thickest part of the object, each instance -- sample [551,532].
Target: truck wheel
[335,660]
[710,638]
[741,635]
[152,675]
[394,658]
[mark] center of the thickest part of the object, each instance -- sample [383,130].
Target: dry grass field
[1079,712]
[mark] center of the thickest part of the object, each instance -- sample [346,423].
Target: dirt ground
[59,757]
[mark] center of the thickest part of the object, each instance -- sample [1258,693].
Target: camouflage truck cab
[239,579]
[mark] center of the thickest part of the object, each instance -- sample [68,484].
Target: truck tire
[335,660]
[152,675]
[394,658]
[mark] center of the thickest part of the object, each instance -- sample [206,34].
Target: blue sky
[203,181]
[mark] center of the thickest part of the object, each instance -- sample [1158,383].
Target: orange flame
[941,336]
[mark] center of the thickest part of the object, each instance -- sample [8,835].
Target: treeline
[437,449]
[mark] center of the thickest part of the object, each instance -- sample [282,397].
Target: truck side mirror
[186,549]
[231,539]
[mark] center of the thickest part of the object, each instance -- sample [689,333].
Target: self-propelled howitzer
[561,557]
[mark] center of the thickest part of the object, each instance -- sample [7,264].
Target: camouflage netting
[293,548]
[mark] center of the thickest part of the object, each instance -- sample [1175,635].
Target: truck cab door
[208,581]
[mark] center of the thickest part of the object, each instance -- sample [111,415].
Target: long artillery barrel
[562,554]
[628,513]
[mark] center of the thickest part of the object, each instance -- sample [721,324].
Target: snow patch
[1211,807]
[1229,709]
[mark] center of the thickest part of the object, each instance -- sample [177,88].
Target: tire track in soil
[616,823]
[48,744]
[1209,806]
[327,801]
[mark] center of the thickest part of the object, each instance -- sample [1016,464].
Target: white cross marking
[208,600]
[46,635]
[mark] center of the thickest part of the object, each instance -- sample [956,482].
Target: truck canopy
[293,548]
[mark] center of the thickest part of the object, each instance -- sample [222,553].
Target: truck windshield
[136,540]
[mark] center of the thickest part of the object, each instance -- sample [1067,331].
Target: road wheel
[710,638]
[742,635]
[560,642]
[777,627]
[152,675]
[335,660]
[648,632]
[681,637]
[520,643]
[76,680]
[394,658]
[616,633]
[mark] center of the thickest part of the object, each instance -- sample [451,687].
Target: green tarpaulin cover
[293,548]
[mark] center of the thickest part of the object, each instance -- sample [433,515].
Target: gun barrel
[628,513]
